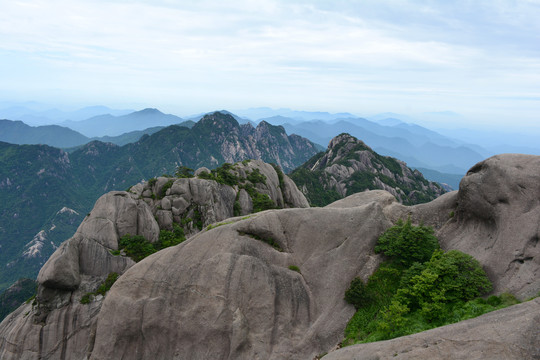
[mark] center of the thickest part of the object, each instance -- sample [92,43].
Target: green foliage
[357,294]
[136,247]
[406,244]
[183,172]
[152,182]
[405,295]
[107,284]
[170,238]
[223,175]
[206,175]
[197,219]
[237,209]
[255,177]
[165,187]
[294,268]
[262,202]
[311,183]
[86,298]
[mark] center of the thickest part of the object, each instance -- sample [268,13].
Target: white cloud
[287,53]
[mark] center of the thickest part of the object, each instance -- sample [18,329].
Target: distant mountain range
[441,156]
[33,113]
[110,125]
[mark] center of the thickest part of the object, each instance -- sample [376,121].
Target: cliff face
[270,285]
[350,166]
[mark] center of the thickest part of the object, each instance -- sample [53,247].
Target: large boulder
[233,292]
[60,326]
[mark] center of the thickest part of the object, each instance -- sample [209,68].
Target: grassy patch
[294,268]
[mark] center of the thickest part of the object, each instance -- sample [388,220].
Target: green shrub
[294,268]
[406,295]
[262,202]
[101,290]
[256,177]
[136,247]
[152,182]
[237,209]
[357,294]
[166,187]
[86,298]
[170,238]
[183,172]
[406,244]
[206,175]
[107,284]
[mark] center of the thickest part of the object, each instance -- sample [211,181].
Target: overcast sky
[477,58]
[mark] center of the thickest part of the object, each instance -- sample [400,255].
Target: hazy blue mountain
[17,132]
[110,125]
[451,180]
[265,112]
[33,113]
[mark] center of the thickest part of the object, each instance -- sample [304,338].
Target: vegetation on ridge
[350,166]
[419,287]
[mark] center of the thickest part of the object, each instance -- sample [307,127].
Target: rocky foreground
[270,285]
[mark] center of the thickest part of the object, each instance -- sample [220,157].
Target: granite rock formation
[270,285]
[349,166]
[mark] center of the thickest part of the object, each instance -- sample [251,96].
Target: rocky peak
[218,121]
[349,166]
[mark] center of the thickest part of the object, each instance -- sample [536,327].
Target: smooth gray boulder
[496,221]
[227,294]
[57,325]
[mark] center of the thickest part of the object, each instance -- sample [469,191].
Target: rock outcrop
[349,166]
[270,285]
[198,202]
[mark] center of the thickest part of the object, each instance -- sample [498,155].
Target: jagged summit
[349,166]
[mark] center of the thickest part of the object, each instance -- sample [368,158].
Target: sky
[480,59]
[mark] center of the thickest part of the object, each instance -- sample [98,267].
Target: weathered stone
[61,271]
[246,204]
[201,170]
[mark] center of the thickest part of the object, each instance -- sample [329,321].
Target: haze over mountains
[444,156]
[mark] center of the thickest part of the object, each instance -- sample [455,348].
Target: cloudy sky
[479,58]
